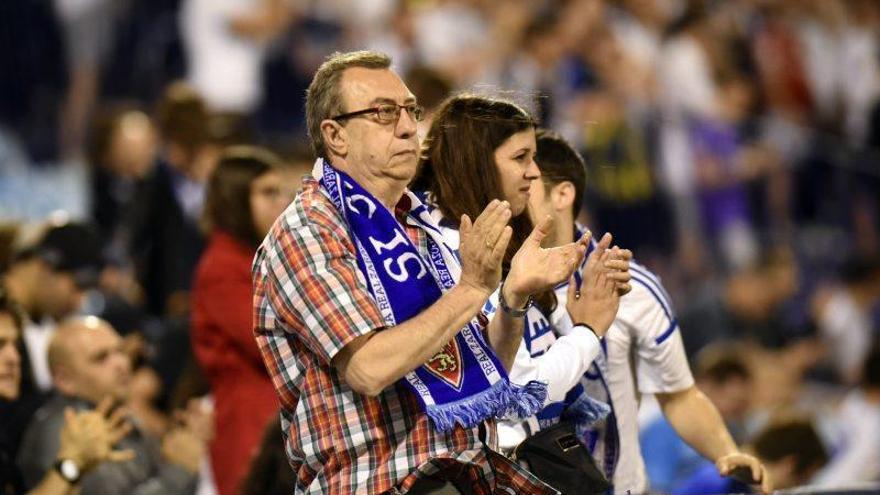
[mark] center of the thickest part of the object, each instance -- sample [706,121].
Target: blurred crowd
[733,145]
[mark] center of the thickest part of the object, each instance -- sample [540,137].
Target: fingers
[585,239]
[465,225]
[119,432]
[120,455]
[118,416]
[69,415]
[574,292]
[604,242]
[624,289]
[541,231]
[766,482]
[756,469]
[501,246]
[104,406]
[497,226]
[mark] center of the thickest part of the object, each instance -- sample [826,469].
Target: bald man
[87,364]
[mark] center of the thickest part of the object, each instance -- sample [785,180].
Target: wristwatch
[69,470]
[516,313]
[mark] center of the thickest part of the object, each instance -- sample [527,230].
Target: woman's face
[10,361]
[269,198]
[515,159]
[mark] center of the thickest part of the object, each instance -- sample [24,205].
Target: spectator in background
[246,193]
[86,438]
[87,365]
[225,42]
[843,314]
[790,449]
[48,281]
[121,150]
[855,447]
[165,241]
[723,375]
[746,305]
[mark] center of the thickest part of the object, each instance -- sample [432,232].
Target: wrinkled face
[59,296]
[270,194]
[10,361]
[515,159]
[98,365]
[378,151]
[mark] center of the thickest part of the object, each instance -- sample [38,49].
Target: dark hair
[103,127]
[228,201]
[559,162]
[269,472]
[791,436]
[11,308]
[431,86]
[324,98]
[460,149]
[183,118]
[719,363]
[871,367]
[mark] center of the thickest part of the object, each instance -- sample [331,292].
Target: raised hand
[534,269]
[605,279]
[88,437]
[483,244]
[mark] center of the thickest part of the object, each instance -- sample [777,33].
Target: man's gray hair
[323,98]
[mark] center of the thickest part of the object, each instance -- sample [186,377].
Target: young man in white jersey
[642,352]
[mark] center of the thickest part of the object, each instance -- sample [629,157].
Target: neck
[563,229]
[387,190]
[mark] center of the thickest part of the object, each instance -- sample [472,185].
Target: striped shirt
[310,301]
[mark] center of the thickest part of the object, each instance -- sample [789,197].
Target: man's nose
[406,125]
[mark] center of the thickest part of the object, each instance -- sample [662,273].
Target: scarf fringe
[501,399]
[584,412]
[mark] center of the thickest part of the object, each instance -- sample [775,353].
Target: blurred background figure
[247,191]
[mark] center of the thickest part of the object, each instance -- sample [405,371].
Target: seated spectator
[86,438]
[87,364]
[856,450]
[246,193]
[790,450]
[723,375]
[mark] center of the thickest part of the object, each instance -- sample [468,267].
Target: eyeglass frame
[416,115]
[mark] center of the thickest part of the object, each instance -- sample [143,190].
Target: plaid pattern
[310,301]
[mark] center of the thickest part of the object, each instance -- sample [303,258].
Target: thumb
[541,230]
[465,224]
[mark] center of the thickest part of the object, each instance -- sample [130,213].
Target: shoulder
[647,294]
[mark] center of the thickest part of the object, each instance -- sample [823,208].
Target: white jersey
[558,361]
[642,354]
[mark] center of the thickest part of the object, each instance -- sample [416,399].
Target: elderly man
[642,351]
[88,364]
[386,371]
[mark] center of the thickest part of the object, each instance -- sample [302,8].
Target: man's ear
[562,196]
[335,138]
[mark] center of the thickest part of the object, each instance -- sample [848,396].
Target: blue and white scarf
[464,383]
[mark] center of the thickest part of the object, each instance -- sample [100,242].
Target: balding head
[86,360]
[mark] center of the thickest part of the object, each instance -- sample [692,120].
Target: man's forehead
[363,86]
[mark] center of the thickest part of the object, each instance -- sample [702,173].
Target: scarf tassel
[502,399]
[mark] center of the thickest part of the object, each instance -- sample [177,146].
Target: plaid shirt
[310,301]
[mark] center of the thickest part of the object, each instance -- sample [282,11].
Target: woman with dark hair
[489,146]
[245,195]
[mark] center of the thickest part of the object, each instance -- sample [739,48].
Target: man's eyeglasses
[387,113]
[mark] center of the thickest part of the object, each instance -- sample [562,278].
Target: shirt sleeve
[660,361]
[561,367]
[313,283]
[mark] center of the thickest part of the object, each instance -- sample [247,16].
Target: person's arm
[698,422]
[54,484]
[561,367]
[372,362]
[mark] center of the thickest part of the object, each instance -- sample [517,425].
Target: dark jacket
[146,474]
